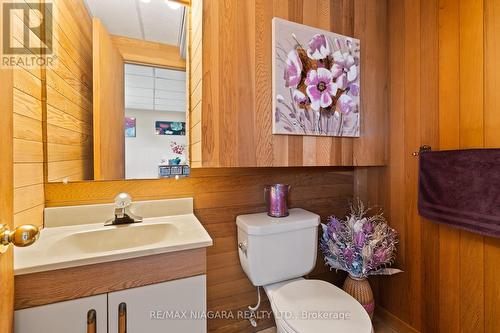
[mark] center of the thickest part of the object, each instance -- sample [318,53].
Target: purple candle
[276,196]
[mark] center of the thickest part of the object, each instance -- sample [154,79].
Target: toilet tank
[277,249]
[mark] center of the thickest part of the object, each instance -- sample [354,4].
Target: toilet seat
[312,306]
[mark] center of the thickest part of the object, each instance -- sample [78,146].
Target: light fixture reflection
[172,4]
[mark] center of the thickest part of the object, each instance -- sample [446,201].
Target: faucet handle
[123,200]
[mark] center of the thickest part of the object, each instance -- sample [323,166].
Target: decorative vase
[360,289]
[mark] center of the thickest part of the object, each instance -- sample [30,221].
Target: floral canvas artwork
[316,81]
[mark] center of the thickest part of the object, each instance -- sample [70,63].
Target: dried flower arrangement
[361,245]
[177,148]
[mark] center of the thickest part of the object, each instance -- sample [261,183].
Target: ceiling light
[172,4]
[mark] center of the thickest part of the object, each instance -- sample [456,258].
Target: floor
[379,326]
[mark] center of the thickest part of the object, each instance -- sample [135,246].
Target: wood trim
[149,53]
[7,193]
[108,106]
[394,322]
[183,2]
[76,282]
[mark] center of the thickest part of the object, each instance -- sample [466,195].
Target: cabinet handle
[91,321]
[122,318]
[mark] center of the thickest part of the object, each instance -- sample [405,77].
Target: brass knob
[21,236]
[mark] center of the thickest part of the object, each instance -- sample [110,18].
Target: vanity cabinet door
[83,315]
[169,307]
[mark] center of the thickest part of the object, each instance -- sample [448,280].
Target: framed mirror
[138,127]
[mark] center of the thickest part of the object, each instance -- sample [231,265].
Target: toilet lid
[312,306]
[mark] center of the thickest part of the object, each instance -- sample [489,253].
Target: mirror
[155,122]
[137,127]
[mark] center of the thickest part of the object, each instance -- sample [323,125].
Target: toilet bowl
[312,306]
[276,253]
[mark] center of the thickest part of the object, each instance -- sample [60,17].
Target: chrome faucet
[123,215]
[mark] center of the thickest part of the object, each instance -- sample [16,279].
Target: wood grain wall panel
[236,108]
[219,196]
[442,92]
[61,95]
[429,135]
[28,169]
[449,138]
[69,93]
[370,26]
[7,202]
[471,136]
[195,73]
[109,105]
[491,139]
[146,52]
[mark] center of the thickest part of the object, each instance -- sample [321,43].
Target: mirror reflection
[133,122]
[155,122]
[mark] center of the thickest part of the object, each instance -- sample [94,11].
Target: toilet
[275,254]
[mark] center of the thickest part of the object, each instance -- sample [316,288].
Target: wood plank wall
[28,155]
[69,94]
[7,201]
[52,113]
[108,105]
[443,92]
[236,116]
[219,196]
[194,70]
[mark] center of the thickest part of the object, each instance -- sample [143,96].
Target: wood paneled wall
[194,71]
[237,79]
[28,116]
[69,94]
[109,105]
[219,196]
[52,109]
[443,92]
[7,201]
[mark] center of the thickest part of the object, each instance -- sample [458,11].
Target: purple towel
[461,188]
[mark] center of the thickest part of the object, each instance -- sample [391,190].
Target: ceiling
[150,88]
[154,21]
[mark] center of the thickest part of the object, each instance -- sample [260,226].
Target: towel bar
[422,149]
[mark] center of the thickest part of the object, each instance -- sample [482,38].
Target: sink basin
[76,235]
[115,238]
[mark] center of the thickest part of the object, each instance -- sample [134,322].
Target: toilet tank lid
[263,224]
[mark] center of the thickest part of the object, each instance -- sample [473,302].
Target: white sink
[64,246]
[116,238]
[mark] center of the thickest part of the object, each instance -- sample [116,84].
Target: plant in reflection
[177,149]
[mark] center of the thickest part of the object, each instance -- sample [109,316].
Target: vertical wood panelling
[449,138]
[443,92]
[491,139]
[396,297]
[7,202]
[412,140]
[236,109]
[471,136]
[194,71]
[109,105]
[370,25]
[429,132]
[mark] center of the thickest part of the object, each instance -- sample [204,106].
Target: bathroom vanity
[82,276]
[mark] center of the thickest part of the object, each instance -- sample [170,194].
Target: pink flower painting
[316,81]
